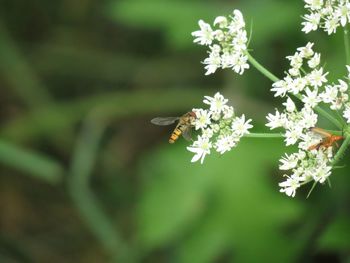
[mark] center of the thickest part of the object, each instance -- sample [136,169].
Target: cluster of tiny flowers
[227,43]
[219,128]
[326,14]
[310,163]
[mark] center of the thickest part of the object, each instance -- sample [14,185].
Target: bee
[183,127]
[327,141]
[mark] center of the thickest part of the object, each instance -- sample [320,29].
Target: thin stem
[273,78]
[263,135]
[261,68]
[346,45]
[340,153]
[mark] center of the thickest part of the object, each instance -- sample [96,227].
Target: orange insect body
[328,140]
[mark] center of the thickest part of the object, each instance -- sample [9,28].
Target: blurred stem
[28,161]
[113,105]
[20,74]
[346,45]
[273,78]
[83,162]
[263,135]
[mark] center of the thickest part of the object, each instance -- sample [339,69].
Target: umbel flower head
[326,14]
[307,81]
[227,43]
[219,128]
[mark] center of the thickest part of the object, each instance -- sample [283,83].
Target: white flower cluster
[219,128]
[326,14]
[308,164]
[227,43]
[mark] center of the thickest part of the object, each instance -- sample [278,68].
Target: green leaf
[228,205]
[336,236]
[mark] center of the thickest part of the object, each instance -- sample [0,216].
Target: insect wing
[163,121]
[321,132]
[187,133]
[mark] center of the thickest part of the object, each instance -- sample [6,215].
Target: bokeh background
[86,178]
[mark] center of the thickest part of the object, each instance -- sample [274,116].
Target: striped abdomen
[175,135]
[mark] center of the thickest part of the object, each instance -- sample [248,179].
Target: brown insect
[183,127]
[328,139]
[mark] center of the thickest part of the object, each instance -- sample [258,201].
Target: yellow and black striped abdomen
[175,135]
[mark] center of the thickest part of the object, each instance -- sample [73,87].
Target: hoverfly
[184,125]
[327,141]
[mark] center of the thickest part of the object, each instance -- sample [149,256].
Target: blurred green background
[86,178]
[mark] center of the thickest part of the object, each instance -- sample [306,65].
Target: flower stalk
[273,78]
[263,135]
[347,46]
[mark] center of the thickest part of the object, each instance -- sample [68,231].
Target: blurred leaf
[179,18]
[337,235]
[225,205]
[28,161]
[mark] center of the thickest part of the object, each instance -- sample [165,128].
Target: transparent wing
[321,132]
[187,134]
[164,120]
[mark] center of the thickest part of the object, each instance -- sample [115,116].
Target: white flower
[207,133]
[309,118]
[201,148]
[290,186]
[343,12]
[314,4]
[218,126]
[311,98]
[227,111]
[289,104]
[343,86]
[311,22]
[327,15]
[315,60]
[296,61]
[204,36]
[346,113]
[317,78]
[292,135]
[321,172]
[213,62]
[237,22]
[221,21]
[225,143]
[289,162]
[216,103]
[330,94]
[276,121]
[331,24]
[306,51]
[202,118]
[240,126]
[240,64]
[227,43]
[280,88]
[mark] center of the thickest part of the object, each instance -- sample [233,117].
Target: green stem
[273,78]
[261,68]
[263,135]
[340,153]
[346,45]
